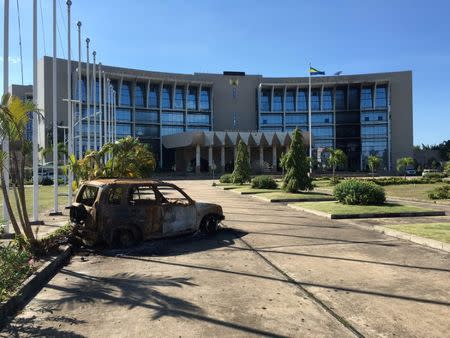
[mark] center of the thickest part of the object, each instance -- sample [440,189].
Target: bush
[334,180]
[357,192]
[15,266]
[264,182]
[226,178]
[434,175]
[46,181]
[440,193]
[401,180]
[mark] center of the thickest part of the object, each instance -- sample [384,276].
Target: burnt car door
[178,210]
[143,210]
[83,211]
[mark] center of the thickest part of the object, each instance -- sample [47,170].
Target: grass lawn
[412,191]
[437,231]
[249,190]
[336,208]
[45,198]
[304,196]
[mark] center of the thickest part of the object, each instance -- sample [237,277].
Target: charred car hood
[204,208]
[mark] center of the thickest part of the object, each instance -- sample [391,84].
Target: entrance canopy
[229,138]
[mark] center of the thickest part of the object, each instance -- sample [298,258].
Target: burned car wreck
[123,212]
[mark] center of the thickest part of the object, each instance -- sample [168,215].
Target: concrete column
[261,158]
[210,157]
[222,158]
[197,159]
[274,157]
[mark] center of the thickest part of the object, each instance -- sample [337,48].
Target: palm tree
[337,158]
[403,163]
[373,162]
[14,116]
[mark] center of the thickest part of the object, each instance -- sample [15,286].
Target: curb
[291,200]
[33,284]
[432,243]
[372,215]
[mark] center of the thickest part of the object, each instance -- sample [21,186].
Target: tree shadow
[31,328]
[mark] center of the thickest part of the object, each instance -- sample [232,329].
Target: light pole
[94,94]
[5,143]
[80,95]
[69,104]
[88,97]
[55,120]
[35,121]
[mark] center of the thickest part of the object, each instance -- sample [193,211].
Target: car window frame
[130,193]
[181,191]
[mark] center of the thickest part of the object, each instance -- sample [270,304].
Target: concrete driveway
[274,272]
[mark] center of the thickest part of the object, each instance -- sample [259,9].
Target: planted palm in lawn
[336,208]
[437,231]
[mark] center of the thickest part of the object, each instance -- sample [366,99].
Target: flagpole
[80,95]
[88,97]
[5,143]
[309,121]
[70,142]
[35,121]
[100,109]
[94,94]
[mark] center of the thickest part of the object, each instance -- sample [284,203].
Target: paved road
[274,272]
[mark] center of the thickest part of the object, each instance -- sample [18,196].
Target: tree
[337,157]
[296,166]
[374,163]
[403,163]
[14,116]
[241,172]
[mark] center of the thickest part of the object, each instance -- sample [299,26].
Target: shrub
[264,182]
[434,175]
[334,180]
[226,178]
[46,181]
[440,193]
[401,180]
[357,192]
[241,172]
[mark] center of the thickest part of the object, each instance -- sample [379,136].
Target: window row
[277,119]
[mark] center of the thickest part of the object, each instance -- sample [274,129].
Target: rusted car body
[122,212]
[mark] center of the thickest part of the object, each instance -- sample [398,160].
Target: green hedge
[264,182]
[440,193]
[226,178]
[357,192]
[401,180]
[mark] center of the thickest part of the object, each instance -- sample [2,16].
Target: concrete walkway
[278,272]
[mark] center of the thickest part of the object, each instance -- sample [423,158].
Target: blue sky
[272,38]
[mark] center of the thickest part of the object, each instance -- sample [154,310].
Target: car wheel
[125,238]
[210,224]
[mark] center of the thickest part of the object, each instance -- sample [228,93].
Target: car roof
[125,181]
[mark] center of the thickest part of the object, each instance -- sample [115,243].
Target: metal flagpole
[55,119]
[105,118]
[35,120]
[5,143]
[88,97]
[309,121]
[69,105]
[100,140]
[80,95]
[114,116]
[109,110]
[94,93]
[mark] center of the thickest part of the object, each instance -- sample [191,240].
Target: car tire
[209,225]
[124,238]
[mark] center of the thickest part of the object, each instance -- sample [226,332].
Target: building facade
[360,114]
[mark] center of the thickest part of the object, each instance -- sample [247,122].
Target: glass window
[302,100]
[83,89]
[296,118]
[271,119]
[198,128]
[125,94]
[179,98]
[198,119]
[354,98]
[192,98]
[381,99]
[322,132]
[265,100]
[123,129]
[290,100]
[204,99]
[169,130]
[271,128]
[146,116]
[315,99]
[172,117]
[322,118]
[374,130]
[167,97]
[371,116]
[292,128]
[147,131]
[153,96]
[341,98]
[123,114]
[140,95]
[366,97]
[327,95]
[322,144]
[278,100]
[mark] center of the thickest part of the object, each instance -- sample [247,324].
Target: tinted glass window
[278,100]
[167,97]
[192,99]
[290,99]
[327,103]
[179,98]
[302,100]
[140,95]
[125,95]
[265,100]
[153,96]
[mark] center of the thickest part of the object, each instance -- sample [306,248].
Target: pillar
[210,157]
[197,159]
[274,157]
[222,158]
[261,158]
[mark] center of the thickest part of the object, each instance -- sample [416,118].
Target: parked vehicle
[411,171]
[427,172]
[122,212]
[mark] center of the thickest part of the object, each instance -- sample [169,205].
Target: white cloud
[15,60]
